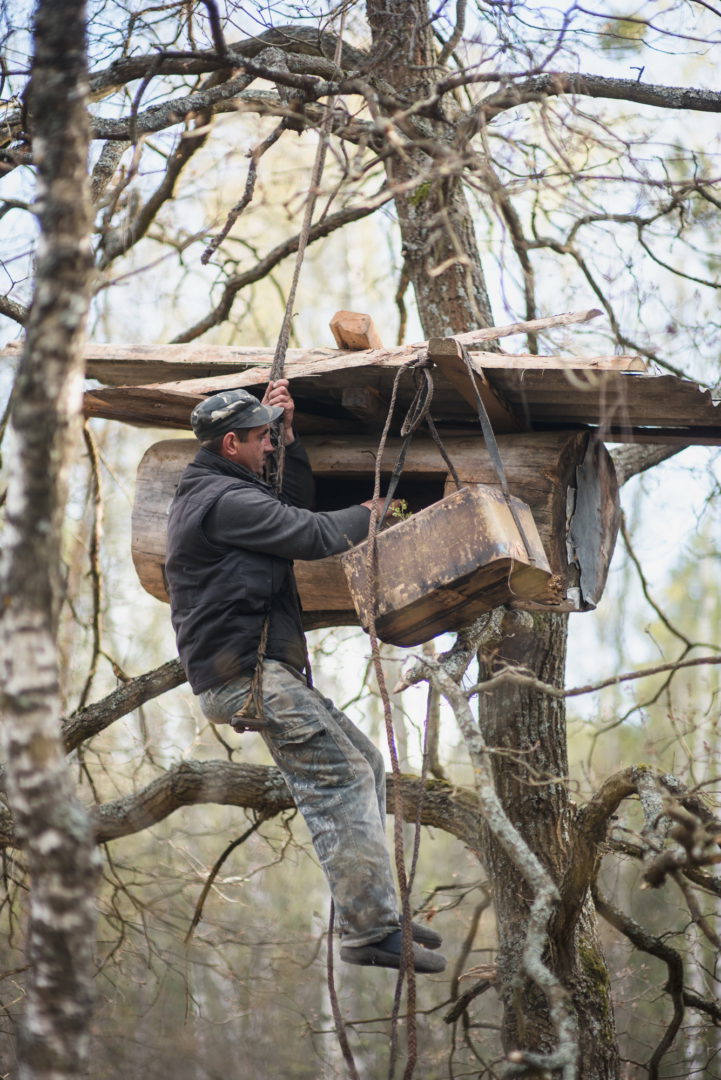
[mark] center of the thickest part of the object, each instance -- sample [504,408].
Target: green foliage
[622,37]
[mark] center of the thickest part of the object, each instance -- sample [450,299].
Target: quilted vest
[220,596]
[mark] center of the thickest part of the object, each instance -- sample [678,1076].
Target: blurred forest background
[577,201]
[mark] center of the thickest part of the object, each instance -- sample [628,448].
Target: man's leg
[337,778]
[334,774]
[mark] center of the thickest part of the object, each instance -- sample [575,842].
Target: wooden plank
[447,355]
[127,365]
[490,333]
[533,362]
[142,405]
[352,330]
[622,403]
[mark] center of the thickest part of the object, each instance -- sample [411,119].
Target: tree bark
[52,825]
[439,245]
[443,263]
[530,770]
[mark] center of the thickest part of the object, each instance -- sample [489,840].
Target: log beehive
[565,477]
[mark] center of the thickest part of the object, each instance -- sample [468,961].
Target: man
[231,542]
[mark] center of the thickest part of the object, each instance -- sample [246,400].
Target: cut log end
[353,330]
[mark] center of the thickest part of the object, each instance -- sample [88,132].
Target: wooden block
[445,566]
[352,330]
[447,355]
[366,404]
[322,585]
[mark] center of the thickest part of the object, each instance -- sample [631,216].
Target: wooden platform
[608,393]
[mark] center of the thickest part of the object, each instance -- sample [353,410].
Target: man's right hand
[394,505]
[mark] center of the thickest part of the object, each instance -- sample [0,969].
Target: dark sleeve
[252,518]
[298,482]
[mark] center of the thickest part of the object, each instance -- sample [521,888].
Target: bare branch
[655,946]
[633,459]
[513,675]
[302,41]
[553,84]
[485,634]
[169,113]
[262,789]
[264,266]
[84,724]
[13,310]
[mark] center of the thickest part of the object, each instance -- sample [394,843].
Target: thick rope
[340,1028]
[254,703]
[407,966]
[276,372]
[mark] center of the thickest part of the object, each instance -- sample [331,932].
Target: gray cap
[229,410]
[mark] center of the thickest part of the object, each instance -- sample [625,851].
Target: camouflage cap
[228,411]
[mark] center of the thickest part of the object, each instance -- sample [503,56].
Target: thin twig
[197,914]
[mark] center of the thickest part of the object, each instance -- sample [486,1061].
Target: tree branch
[264,266]
[633,459]
[513,675]
[13,310]
[641,939]
[553,84]
[301,41]
[87,722]
[261,788]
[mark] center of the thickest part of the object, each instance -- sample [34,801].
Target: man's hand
[394,505]
[279,394]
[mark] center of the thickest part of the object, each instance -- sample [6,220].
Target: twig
[87,722]
[216,29]
[641,939]
[513,675]
[197,914]
[255,155]
[491,333]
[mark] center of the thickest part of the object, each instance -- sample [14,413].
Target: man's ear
[229,444]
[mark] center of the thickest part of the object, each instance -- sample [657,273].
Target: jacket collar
[206,459]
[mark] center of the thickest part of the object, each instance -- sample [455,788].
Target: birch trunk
[53,828]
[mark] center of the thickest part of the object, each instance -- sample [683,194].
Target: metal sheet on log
[591,547]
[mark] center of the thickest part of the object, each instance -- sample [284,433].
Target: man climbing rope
[235,610]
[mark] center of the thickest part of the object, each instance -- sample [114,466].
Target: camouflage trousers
[337,779]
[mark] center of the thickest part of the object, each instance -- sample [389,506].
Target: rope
[253,706]
[407,967]
[276,372]
[340,1029]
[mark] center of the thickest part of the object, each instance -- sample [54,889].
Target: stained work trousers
[337,779]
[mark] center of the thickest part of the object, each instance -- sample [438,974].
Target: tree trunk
[439,246]
[52,826]
[437,233]
[529,730]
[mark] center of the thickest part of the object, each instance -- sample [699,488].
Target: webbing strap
[493,451]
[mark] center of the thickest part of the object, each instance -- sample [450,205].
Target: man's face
[251,454]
